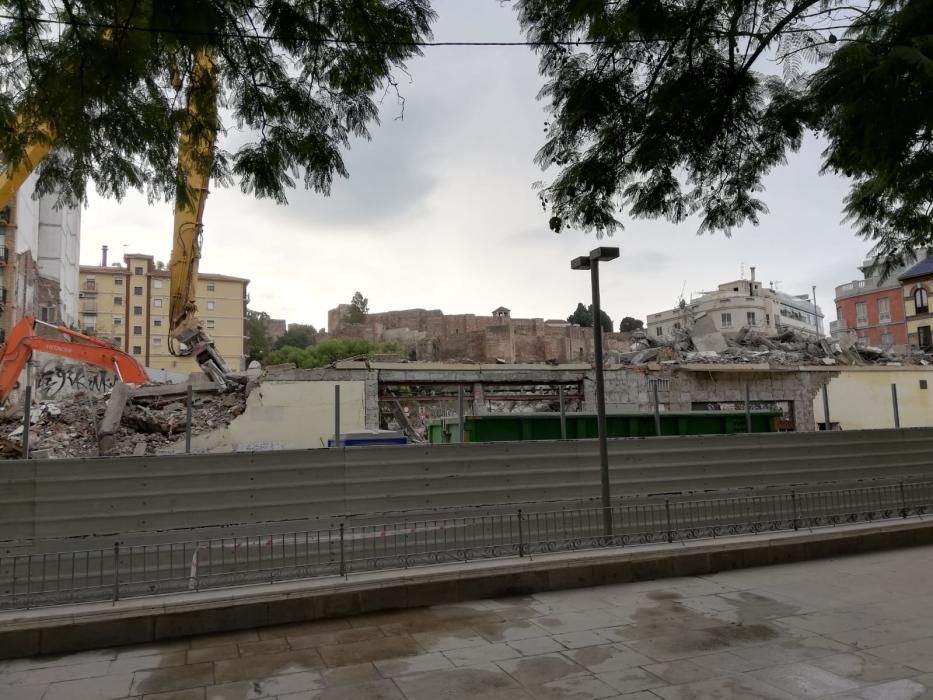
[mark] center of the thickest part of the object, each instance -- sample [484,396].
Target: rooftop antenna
[682,290]
[742,271]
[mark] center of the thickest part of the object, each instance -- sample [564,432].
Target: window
[210,323]
[923,383]
[137,311]
[156,342]
[48,314]
[924,338]
[157,303]
[90,284]
[137,350]
[117,321]
[726,320]
[157,322]
[137,271]
[117,340]
[210,306]
[750,318]
[659,331]
[921,301]
[210,287]
[137,330]
[887,340]
[861,314]
[137,291]
[117,281]
[767,319]
[884,310]
[118,301]
[157,284]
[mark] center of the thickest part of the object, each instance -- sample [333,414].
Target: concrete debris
[703,343]
[706,337]
[148,424]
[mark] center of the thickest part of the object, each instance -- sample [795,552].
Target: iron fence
[340,550]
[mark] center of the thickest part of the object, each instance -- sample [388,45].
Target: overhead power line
[419,44]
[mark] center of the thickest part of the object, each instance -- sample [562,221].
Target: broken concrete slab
[706,338]
[113,414]
[158,390]
[645,355]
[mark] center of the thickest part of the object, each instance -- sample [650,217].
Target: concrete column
[371,394]
[479,400]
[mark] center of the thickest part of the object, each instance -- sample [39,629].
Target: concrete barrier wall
[67,498]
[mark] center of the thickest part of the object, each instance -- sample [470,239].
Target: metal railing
[342,549]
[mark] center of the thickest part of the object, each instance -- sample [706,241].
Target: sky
[439,211]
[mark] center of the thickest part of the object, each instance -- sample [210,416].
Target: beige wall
[860,398]
[289,415]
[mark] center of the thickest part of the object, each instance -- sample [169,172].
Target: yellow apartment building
[917,284]
[127,305]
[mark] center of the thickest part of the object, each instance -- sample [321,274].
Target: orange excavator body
[22,342]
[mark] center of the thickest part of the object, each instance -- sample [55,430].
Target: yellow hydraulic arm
[195,153]
[195,156]
[13,178]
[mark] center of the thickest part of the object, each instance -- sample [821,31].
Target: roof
[202,276]
[924,268]
[104,270]
[501,308]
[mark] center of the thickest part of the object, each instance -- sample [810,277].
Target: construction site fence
[184,494]
[124,571]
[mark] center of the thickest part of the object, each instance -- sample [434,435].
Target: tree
[359,307]
[583,316]
[112,79]
[258,339]
[629,324]
[329,351]
[665,108]
[298,335]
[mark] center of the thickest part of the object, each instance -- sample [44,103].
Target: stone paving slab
[854,628]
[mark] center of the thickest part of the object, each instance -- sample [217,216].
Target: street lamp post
[591,263]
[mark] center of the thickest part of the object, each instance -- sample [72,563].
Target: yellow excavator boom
[195,155]
[13,178]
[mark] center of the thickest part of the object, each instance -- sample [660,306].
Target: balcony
[89,286]
[89,307]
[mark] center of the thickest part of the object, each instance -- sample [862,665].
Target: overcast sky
[439,212]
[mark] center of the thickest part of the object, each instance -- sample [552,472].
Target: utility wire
[420,44]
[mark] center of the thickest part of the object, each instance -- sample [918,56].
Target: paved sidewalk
[856,627]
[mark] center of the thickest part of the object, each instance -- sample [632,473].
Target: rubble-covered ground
[68,427]
[789,348]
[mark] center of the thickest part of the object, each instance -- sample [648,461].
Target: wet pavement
[850,628]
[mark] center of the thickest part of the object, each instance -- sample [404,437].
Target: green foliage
[873,102]
[298,335]
[258,341]
[583,316]
[112,78]
[329,351]
[359,307]
[629,324]
[669,112]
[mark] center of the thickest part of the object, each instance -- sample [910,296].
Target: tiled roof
[923,268]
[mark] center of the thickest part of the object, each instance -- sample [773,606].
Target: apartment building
[917,288]
[127,305]
[742,303]
[871,308]
[39,245]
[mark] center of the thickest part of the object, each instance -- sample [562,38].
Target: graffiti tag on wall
[57,379]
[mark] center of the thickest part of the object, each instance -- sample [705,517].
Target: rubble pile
[789,348]
[149,424]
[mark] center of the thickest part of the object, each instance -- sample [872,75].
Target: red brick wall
[874,330]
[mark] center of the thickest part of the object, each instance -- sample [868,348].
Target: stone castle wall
[432,335]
